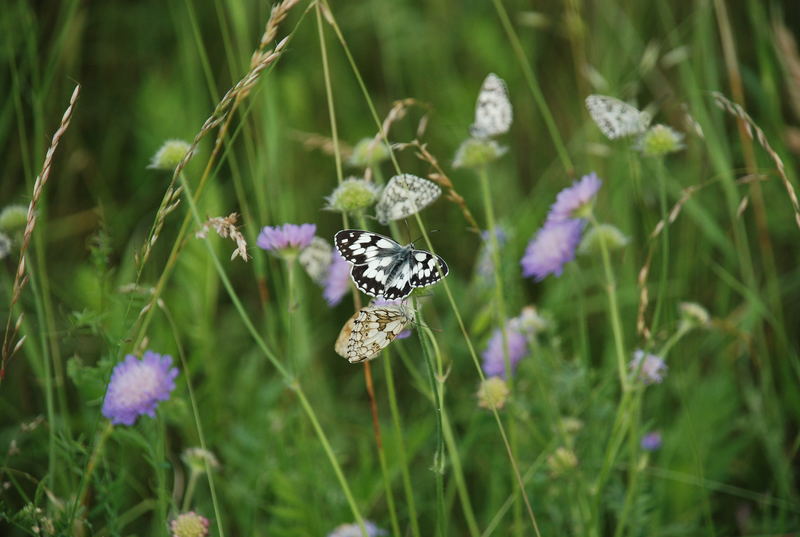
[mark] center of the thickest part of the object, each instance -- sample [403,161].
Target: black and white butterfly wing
[493,112]
[373,257]
[424,271]
[370,331]
[616,119]
[405,195]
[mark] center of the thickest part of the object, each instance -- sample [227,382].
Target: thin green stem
[662,280]
[533,84]
[329,94]
[401,448]
[613,307]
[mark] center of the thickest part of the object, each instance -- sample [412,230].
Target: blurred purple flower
[651,441]
[337,280]
[494,364]
[553,247]
[286,236]
[137,386]
[575,200]
[651,369]
[404,334]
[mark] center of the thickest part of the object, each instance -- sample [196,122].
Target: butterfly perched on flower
[370,330]
[405,195]
[616,119]
[493,111]
[384,268]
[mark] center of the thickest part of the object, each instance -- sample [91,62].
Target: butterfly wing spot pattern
[616,119]
[384,268]
[493,112]
[370,331]
[405,195]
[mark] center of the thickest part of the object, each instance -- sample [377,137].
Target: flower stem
[616,324]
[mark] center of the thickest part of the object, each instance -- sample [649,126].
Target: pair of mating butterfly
[386,270]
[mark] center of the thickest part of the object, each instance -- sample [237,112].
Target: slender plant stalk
[533,84]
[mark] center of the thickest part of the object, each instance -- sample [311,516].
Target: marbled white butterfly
[615,118]
[370,330]
[316,258]
[492,110]
[404,195]
[383,268]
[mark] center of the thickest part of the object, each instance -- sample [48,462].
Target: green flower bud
[694,315]
[352,195]
[613,238]
[474,153]
[169,155]
[562,460]
[189,525]
[368,152]
[493,393]
[196,458]
[13,218]
[660,140]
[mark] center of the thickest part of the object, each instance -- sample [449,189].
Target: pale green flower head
[562,461]
[353,195]
[169,155]
[591,244]
[694,315]
[493,393]
[368,152]
[13,218]
[659,141]
[196,459]
[473,153]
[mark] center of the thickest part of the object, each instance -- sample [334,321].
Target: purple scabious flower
[553,247]
[649,367]
[575,201]
[275,238]
[353,530]
[494,364]
[337,280]
[137,386]
[651,441]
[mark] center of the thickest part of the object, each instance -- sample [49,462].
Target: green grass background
[149,71]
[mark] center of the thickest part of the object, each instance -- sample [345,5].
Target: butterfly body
[384,268]
[370,330]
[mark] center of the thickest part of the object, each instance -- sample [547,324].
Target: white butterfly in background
[493,111]
[405,195]
[316,258]
[370,330]
[384,268]
[616,119]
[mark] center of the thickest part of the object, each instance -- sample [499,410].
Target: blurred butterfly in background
[316,258]
[370,330]
[384,268]
[616,119]
[405,195]
[493,111]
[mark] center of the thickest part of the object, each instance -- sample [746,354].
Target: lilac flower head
[287,236]
[575,201]
[553,247]
[337,280]
[137,386]
[494,364]
[651,441]
[353,530]
[649,367]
